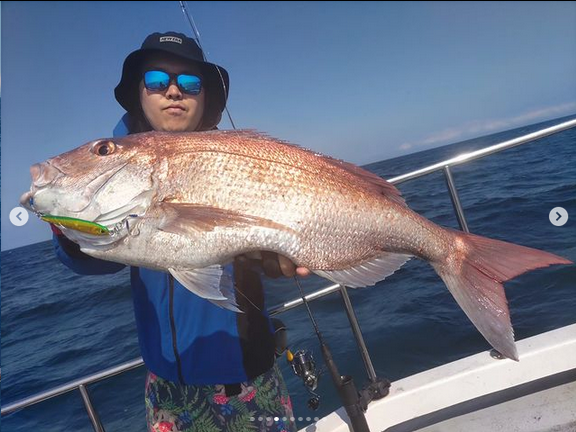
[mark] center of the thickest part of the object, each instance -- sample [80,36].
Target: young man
[208,367]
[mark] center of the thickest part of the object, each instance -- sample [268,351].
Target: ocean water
[58,326]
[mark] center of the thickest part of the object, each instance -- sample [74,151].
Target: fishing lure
[76,224]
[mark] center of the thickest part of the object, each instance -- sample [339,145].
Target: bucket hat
[215,78]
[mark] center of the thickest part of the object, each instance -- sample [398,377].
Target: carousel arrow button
[558,216]
[18,216]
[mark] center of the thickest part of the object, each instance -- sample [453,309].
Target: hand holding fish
[272,264]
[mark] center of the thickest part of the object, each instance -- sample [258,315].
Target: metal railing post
[96,423]
[358,334]
[71,386]
[455,199]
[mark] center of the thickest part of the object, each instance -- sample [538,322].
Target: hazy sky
[358,81]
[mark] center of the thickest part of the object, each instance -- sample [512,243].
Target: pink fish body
[188,203]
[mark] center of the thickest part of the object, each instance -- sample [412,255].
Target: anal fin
[367,273]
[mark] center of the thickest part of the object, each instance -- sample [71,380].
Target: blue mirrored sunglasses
[157,80]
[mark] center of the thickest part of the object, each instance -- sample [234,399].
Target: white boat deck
[480,393]
[548,410]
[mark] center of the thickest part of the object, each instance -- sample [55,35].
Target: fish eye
[103,148]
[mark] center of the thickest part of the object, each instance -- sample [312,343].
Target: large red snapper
[188,203]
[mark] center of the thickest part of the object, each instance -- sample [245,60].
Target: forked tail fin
[474,274]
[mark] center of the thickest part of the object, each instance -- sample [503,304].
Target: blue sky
[359,81]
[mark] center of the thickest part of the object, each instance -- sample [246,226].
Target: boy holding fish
[208,366]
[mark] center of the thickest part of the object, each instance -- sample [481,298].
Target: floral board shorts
[262,405]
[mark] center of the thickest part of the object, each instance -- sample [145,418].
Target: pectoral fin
[212,283]
[185,218]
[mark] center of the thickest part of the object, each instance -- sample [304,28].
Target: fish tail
[474,272]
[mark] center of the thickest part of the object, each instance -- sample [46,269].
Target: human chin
[176,124]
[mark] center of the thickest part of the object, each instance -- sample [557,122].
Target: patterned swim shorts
[262,405]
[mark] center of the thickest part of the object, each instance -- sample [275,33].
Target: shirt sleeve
[69,253]
[121,128]
[71,256]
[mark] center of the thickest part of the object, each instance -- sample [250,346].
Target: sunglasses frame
[173,78]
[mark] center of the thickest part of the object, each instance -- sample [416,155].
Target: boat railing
[445,166]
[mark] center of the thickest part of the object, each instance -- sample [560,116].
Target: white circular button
[19,216]
[558,216]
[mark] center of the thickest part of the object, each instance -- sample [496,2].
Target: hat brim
[215,82]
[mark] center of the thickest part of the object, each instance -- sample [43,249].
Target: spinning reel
[304,367]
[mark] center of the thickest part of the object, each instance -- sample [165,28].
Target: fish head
[102,181]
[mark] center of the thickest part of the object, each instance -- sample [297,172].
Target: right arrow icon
[558,216]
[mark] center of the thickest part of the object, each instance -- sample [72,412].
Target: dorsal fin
[371,180]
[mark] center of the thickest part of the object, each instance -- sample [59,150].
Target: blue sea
[58,326]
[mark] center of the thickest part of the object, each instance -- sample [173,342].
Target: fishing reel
[304,367]
[302,363]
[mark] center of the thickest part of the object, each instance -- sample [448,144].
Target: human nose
[173,91]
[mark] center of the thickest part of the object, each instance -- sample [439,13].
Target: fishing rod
[197,38]
[353,402]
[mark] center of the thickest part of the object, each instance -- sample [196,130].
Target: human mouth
[175,109]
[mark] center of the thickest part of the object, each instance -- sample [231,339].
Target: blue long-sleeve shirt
[183,337]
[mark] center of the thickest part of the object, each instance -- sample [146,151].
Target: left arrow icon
[18,216]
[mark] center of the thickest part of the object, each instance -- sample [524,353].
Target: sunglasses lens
[160,80]
[190,84]
[156,80]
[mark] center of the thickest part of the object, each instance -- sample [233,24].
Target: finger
[288,267]
[241,260]
[270,264]
[254,255]
[244,262]
[302,271]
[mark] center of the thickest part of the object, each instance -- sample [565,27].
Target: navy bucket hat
[215,78]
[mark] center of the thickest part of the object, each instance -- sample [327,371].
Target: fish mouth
[43,174]
[27,200]
[42,200]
